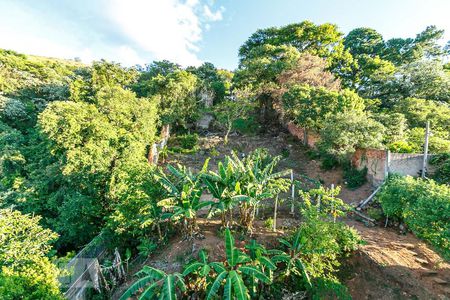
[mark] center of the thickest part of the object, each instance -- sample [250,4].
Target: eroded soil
[389,266]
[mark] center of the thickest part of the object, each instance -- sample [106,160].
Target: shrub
[246,125]
[25,270]
[329,289]
[285,153]
[423,205]
[400,147]
[329,162]
[442,172]
[268,223]
[375,213]
[186,143]
[354,178]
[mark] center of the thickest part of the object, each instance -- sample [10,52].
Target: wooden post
[292,192]
[387,164]
[275,214]
[332,203]
[305,137]
[425,150]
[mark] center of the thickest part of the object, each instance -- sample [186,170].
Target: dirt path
[396,266]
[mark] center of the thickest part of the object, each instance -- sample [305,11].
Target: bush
[329,162]
[375,213]
[268,223]
[442,172]
[334,240]
[185,143]
[400,147]
[354,178]
[423,205]
[329,289]
[246,125]
[26,271]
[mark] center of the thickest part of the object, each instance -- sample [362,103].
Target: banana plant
[292,258]
[200,273]
[258,254]
[233,272]
[225,188]
[157,285]
[260,182]
[183,201]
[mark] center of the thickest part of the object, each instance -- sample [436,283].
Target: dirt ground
[389,266]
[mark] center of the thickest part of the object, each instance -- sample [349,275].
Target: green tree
[85,147]
[176,90]
[311,107]
[229,111]
[26,270]
[232,273]
[344,133]
[213,80]
[425,45]
[324,40]
[419,111]
[420,79]
[364,40]
[224,185]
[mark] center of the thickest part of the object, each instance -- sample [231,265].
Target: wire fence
[83,271]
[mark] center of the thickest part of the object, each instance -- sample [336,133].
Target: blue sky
[191,31]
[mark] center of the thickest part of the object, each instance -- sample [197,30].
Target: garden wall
[307,137]
[375,162]
[381,162]
[378,162]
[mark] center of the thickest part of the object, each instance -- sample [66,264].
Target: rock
[440,281]
[411,252]
[428,272]
[409,246]
[205,121]
[422,261]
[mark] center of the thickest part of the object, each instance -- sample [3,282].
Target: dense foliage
[76,143]
[26,271]
[422,204]
[394,86]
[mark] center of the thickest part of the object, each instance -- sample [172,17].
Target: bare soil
[389,266]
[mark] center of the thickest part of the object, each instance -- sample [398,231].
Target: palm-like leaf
[216,285]
[240,290]
[252,271]
[161,283]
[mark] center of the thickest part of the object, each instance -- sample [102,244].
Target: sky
[190,32]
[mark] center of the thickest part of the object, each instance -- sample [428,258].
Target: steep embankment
[390,265]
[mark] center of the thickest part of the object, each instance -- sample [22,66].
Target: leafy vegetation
[76,143]
[26,270]
[250,274]
[422,204]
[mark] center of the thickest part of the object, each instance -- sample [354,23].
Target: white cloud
[167,29]
[126,31]
[128,56]
[213,16]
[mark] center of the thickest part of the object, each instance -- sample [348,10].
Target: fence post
[292,192]
[332,203]
[274,227]
[387,164]
[425,150]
